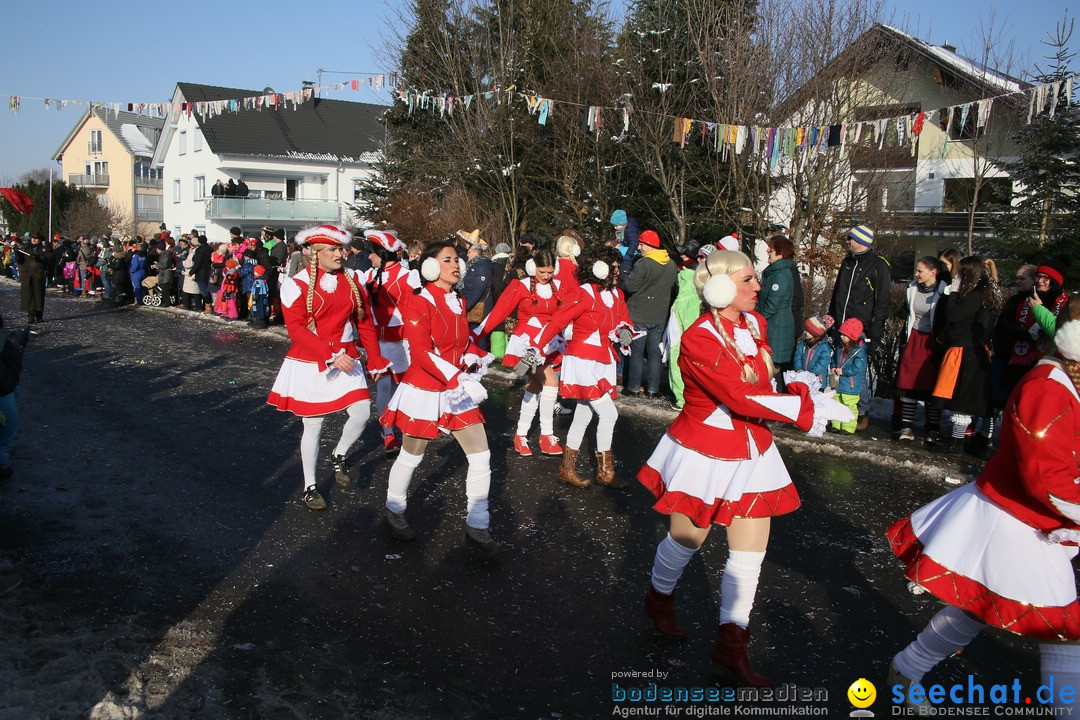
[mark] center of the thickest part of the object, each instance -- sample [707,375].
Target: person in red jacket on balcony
[440,392]
[717,464]
[326,312]
[597,310]
[535,297]
[388,281]
[1000,551]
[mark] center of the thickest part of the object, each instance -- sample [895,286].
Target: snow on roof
[138,143]
[962,64]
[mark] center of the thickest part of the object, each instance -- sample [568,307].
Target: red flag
[18,199]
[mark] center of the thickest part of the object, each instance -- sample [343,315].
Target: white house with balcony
[301,166]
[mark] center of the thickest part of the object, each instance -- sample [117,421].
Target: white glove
[475,390]
[481,362]
[625,337]
[825,410]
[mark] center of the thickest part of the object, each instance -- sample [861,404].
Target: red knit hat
[649,238]
[259,271]
[851,328]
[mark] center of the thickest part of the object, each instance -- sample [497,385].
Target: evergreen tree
[1044,219]
[63,197]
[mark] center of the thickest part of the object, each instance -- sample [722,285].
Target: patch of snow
[138,143]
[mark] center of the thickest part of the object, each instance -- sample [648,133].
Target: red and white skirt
[426,413]
[583,379]
[397,352]
[302,390]
[971,553]
[712,491]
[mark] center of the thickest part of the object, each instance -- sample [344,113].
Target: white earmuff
[1067,340]
[530,268]
[462,267]
[577,250]
[429,269]
[600,270]
[719,291]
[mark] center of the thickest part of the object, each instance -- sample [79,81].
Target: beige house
[108,155]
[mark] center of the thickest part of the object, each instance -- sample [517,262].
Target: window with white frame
[181,142]
[200,187]
[176,190]
[197,140]
[95,141]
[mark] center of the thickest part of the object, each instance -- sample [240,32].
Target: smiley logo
[862,693]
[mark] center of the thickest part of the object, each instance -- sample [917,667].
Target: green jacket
[774,303]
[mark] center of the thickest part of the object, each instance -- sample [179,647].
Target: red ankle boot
[730,654]
[661,609]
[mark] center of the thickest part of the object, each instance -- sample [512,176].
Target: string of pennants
[210,108]
[772,142]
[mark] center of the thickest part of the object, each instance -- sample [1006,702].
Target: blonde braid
[312,269]
[749,374]
[1072,367]
[356,295]
[766,356]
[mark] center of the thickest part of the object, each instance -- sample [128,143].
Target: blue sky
[124,51]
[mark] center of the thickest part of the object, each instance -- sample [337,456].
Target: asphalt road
[155,560]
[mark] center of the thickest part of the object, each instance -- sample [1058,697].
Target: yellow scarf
[660,256]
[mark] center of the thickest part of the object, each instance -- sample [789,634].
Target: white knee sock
[401,472]
[671,559]
[1060,666]
[384,390]
[605,409]
[959,425]
[739,586]
[529,405]
[582,417]
[354,426]
[477,484]
[948,631]
[309,448]
[549,396]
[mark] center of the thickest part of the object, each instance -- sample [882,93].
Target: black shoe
[976,445]
[651,395]
[481,538]
[630,393]
[399,526]
[341,470]
[313,499]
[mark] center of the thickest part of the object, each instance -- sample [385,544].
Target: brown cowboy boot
[568,470]
[605,471]
[729,654]
[661,609]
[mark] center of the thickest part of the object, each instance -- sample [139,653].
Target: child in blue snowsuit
[814,352]
[849,367]
[260,302]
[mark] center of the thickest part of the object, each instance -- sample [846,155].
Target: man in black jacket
[862,291]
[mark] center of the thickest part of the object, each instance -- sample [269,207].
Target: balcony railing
[147,182]
[265,209]
[922,221]
[89,180]
[150,214]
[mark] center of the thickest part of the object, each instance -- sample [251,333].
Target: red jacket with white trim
[1035,474]
[596,315]
[724,413]
[437,331]
[396,282]
[338,321]
[566,273]
[525,297]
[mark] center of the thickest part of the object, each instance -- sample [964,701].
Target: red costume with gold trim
[1001,547]
[307,383]
[535,304]
[436,329]
[717,461]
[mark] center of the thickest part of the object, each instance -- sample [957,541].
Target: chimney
[946,45]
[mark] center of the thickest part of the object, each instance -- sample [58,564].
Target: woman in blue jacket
[137,270]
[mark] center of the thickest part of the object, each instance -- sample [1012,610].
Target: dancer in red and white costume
[387,282]
[717,464]
[567,249]
[536,298]
[326,312]
[999,551]
[440,393]
[597,310]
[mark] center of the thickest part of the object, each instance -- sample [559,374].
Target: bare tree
[87,216]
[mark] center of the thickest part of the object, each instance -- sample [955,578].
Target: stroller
[153,292]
